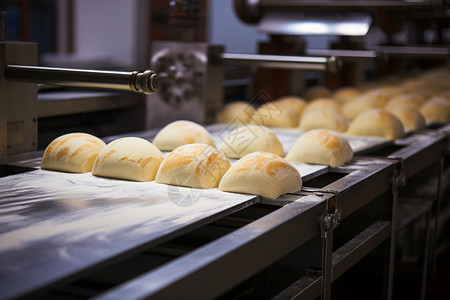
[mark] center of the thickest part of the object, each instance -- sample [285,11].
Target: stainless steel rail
[344,54]
[147,81]
[332,63]
[344,4]
[418,51]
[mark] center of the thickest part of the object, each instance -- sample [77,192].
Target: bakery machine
[373,38]
[18,90]
[75,236]
[194,73]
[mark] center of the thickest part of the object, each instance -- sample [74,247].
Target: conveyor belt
[55,224]
[74,222]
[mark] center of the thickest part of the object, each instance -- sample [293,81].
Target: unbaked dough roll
[292,102]
[377,122]
[72,152]
[261,173]
[323,118]
[251,138]
[238,113]
[321,146]
[129,158]
[436,110]
[321,103]
[180,133]
[193,165]
[275,115]
[411,118]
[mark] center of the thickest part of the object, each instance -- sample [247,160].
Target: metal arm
[147,82]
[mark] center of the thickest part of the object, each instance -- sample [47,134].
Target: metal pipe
[285,62]
[147,81]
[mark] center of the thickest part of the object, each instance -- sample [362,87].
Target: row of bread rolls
[413,102]
[191,165]
[261,168]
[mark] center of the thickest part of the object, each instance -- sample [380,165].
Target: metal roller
[147,81]
[283,61]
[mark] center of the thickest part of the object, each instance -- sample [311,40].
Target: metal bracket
[399,177]
[446,147]
[332,217]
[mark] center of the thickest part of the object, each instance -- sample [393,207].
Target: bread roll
[321,146]
[323,118]
[378,96]
[445,95]
[129,158]
[352,109]
[412,100]
[374,98]
[317,92]
[193,165]
[180,133]
[293,103]
[385,92]
[345,94]
[436,110]
[261,173]
[72,152]
[251,138]
[238,113]
[275,115]
[377,122]
[321,103]
[411,118]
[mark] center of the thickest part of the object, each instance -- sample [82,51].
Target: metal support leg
[327,264]
[426,257]
[436,212]
[389,277]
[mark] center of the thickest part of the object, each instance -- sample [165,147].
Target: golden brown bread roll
[317,92]
[292,102]
[129,158]
[275,115]
[72,152]
[411,118]
[321,146]
[250,138]
[261,173]
[238,113]
[321,103]
[353,108]
[193,165]
[412,100]
[345,94]
[377,122]
[323,118]
[378,96]
[436,110]
[180,133]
